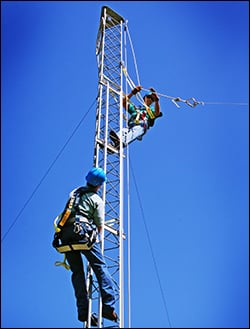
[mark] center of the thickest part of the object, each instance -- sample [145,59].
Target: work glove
[154,94]
[136,90]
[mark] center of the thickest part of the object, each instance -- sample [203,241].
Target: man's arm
[127,97]
[157,108]
[100,229]
[156,100]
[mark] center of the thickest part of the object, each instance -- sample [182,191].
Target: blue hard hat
[149,93]
[96,176]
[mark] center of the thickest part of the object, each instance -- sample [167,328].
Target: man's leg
[74,259]
[104,279]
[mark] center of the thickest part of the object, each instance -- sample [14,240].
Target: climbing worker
[90,209]
[141,117]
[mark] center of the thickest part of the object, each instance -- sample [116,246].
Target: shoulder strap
[71,204]
[150,112]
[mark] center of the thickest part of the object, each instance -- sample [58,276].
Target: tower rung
[110,147]
[113,231]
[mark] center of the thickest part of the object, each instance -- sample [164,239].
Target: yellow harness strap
[150,113]
[65,217]
[57,229]
[64,264]
[66,213]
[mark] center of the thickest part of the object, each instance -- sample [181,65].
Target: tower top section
[113,18]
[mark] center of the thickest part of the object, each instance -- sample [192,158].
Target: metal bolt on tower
[109,116]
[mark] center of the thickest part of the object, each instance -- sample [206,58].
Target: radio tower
[110,116]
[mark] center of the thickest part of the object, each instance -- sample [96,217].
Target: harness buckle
[77,227]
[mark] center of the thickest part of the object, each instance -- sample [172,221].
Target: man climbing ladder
[142,117]
[87,208]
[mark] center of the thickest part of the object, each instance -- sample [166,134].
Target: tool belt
[81,235]
[137,119]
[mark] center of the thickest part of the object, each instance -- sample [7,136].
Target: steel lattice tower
[110,116]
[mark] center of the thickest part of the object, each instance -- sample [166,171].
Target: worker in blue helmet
[90,207]
[141,117]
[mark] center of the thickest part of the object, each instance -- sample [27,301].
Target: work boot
[83,317]
[115,139]
[109,313]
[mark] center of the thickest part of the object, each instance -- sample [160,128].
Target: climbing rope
[133,53]
[192,102]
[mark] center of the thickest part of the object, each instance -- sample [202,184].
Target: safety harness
[141,116]
[84,233]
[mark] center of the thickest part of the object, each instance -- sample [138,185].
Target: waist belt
[73,247]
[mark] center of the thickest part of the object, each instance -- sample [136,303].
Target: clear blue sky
[191,169]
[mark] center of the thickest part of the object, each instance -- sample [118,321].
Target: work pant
[97,262]
[136,131]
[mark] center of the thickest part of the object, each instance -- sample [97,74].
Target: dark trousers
[97,262]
